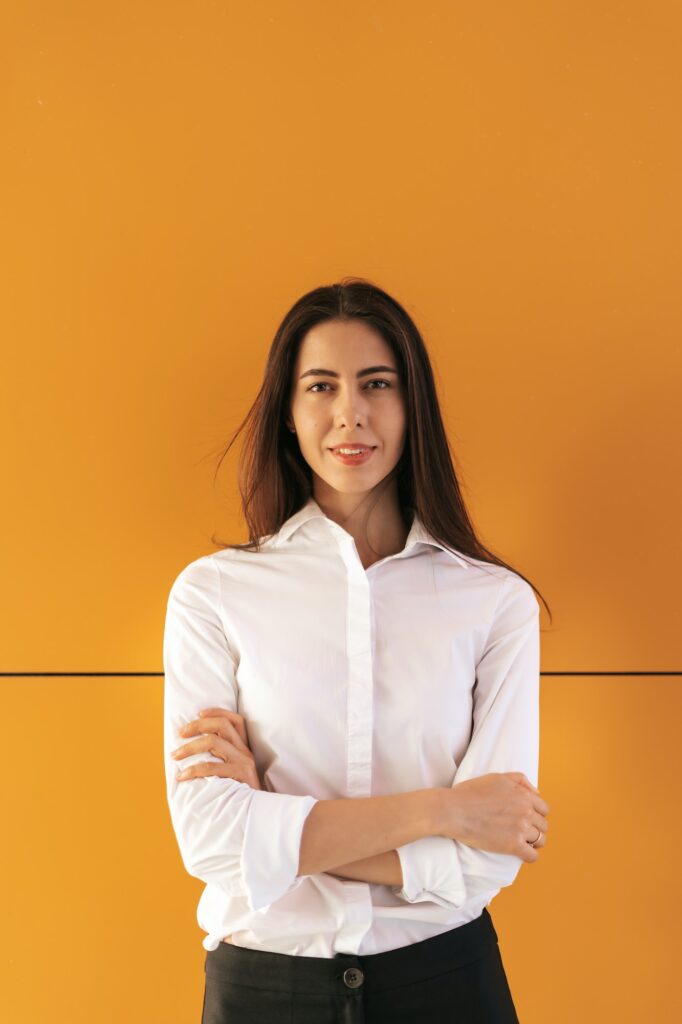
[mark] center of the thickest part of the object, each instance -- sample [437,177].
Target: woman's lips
[352,460]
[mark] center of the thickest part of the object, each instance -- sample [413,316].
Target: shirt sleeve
[244,840]
[504,738]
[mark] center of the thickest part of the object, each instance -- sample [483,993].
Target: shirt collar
[311,510]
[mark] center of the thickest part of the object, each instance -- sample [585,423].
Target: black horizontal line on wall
[14,675]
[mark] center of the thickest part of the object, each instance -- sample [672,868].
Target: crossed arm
[504,736]
[381,869]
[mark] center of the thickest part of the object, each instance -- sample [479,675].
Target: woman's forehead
[350,346]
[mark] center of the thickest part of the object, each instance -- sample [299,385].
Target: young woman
[353,698]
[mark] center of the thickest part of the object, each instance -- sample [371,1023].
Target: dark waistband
[405,965]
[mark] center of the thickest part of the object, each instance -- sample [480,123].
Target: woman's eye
[323,384]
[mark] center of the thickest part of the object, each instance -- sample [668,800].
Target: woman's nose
[350,408]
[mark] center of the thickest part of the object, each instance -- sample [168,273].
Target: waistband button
[353,977]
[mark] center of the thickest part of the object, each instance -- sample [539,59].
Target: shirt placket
[359,726]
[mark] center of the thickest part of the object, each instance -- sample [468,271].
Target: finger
[213,744]
[540,805]
[541,822]
[225,727]
[235,718]
[538,828]
[205,769]
[537,836]
[521,779]
[221,726]
[230,722]
[527,853]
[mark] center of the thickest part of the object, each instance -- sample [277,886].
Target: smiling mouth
[360,455]
[352,447]
[346,448]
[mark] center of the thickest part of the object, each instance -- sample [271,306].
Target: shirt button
[353,977]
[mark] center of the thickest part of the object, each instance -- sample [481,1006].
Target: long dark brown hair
[274,479]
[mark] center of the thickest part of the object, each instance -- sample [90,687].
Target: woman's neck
[376,524]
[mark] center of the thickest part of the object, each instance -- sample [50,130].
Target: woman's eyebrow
[317,372]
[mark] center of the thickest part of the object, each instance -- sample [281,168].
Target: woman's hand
[501,812]
[223,734]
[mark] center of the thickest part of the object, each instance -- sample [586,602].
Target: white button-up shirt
[419,671]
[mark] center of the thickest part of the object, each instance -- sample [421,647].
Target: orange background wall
[175,175]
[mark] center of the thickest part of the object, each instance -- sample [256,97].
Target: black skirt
[454,978]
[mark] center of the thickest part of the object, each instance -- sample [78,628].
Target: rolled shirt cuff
[272,845]
[431,871]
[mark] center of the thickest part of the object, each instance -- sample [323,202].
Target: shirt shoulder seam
[220,609]
[503,586]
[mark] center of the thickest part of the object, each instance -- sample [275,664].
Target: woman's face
[335,401]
